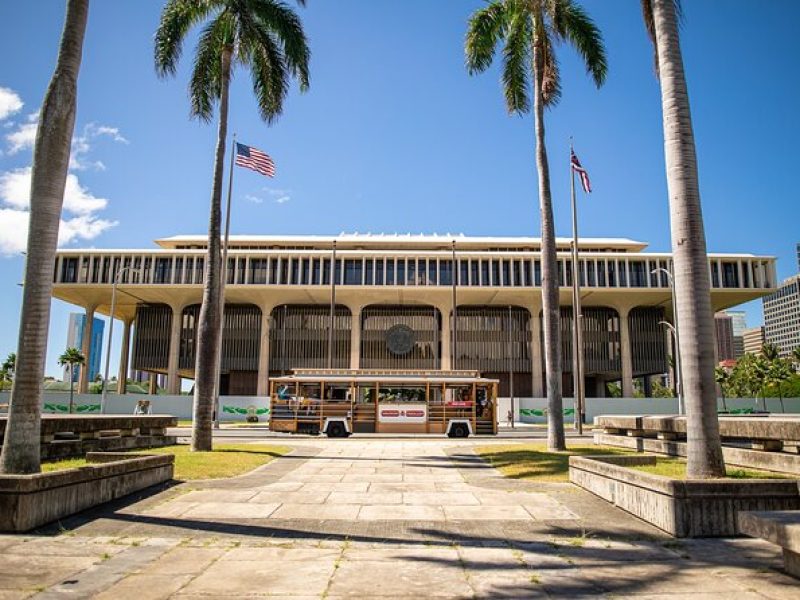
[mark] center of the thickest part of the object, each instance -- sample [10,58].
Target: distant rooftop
[433,241]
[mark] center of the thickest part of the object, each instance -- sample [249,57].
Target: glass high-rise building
[77,325]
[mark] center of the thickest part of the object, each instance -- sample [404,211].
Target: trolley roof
[383,376]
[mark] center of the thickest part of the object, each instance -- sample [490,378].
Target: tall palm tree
[770,351]
[70,358]
[529,31]
[50,161]
[267,37]
[692,287]
[7,370]
[722,376]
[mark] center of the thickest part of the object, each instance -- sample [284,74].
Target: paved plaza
[378,518]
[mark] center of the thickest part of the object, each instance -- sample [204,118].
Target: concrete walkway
[378,518]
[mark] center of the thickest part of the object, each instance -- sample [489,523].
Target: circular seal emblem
[400,339]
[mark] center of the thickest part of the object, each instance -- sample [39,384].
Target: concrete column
[86,350]
[153,384]
[263,352]
[355,337]
[627,357]
[173,379]
[122,375]
[536,353]
[446,338]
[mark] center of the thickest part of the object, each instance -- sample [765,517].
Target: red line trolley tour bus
[340,402]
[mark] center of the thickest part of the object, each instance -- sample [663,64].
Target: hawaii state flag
[576,166]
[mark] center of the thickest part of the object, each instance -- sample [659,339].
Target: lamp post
[104,396]
[674,329]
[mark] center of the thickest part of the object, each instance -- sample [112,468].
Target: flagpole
[224,279]
[453,327]
[333,306]
[577,315]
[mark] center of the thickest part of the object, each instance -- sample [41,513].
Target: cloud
[79,220]
[24,137]
[278,196]
[253,199]
[15,194]
[82,145]
[14,229]
[10,103]
[15,188]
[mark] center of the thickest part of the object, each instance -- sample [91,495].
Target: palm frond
[205,86]
[270,75]
[486,28]
[517,64]
[280,20]
[177,18]
[551,75]
[573,24]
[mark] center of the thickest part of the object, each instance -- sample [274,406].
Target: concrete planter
[683,508]
[29,501]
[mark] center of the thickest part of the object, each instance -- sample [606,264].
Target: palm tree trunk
[209,322]
[50,161]
[692,286]
[71,386]
[550,308]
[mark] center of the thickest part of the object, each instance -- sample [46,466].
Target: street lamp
[104,397]
[674,329]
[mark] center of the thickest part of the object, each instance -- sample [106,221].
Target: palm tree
[690,260]
[779,371]
[71,357]
[50,161]
[722,376]
[529,31]
[267,37]
[7,370]
[770,351]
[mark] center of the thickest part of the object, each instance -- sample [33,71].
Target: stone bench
[781,527]
[64,436]
[29,501]
[761,442]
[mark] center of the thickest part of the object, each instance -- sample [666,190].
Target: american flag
[576,166]
[252,158]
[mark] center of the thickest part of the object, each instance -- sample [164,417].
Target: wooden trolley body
[340,402]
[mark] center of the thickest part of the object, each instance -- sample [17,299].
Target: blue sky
[395,136]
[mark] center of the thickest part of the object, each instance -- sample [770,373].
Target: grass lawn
[226,460]
[676,469]
[535,462]
[188,423]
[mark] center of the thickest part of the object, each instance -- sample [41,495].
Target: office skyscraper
[75,340]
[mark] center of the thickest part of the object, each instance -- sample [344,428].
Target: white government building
[279,291]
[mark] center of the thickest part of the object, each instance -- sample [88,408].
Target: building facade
[782,316]
[454,302]
[753,340]
[723,330]
[739,324]
[75,333]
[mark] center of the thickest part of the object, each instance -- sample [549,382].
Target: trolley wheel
[336,430]
[459,430]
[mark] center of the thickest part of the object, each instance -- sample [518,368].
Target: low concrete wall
[683,508]
[29,501]
[234,408]
[780,462]
[64,436]
[534,410]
